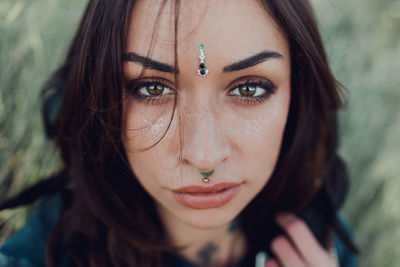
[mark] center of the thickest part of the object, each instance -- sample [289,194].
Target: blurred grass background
[362,39]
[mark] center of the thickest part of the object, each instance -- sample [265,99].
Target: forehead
[230,30]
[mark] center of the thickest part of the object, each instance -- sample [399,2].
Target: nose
[205,142]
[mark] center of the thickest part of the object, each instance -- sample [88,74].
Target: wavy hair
[109,219]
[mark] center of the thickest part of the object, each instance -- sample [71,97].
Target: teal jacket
[27,247]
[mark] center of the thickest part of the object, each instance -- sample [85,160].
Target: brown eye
[253,92]
[153,90]
[246,90]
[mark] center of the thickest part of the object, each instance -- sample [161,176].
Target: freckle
[158,127]
[153,127]
[255,126]
[275,110]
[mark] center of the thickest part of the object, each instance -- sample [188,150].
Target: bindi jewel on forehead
[202,71]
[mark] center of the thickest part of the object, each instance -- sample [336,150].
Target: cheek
[259,128]
[144,126]
[254,134]
[257,137]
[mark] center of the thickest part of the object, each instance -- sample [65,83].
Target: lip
[201,197]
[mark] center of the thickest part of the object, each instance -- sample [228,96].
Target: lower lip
[207,200]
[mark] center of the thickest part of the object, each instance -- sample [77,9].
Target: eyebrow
[164,67]
[149,63]
[252,61]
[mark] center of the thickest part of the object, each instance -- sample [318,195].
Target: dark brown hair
[111,220]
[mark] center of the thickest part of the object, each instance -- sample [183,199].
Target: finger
[285,252]
[271,263]
[302,237]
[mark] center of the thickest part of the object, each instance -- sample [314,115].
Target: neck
[207,247]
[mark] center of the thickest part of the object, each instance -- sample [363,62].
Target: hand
[301,249]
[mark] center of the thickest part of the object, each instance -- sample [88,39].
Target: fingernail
[261,258]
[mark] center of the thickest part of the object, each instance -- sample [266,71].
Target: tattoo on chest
[207,252]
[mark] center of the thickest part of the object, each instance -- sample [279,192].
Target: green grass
[363,43]
[362,39]
[34,37]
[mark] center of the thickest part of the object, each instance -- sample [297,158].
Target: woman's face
[231,120]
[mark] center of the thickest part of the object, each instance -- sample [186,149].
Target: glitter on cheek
[275,109]
[154,128]
[143,128]
[159,126]
[255,128]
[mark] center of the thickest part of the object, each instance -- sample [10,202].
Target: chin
[208,219]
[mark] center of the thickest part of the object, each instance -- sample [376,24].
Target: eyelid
[232,85]
[237,89]
[134,83]
[259,82]
[249,80]
[166,90]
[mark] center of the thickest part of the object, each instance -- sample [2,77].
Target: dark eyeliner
[133,87]
[270,89]
[268,86]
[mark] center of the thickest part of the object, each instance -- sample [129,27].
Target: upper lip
[204,189]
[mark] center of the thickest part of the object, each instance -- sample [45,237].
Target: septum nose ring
[205,174]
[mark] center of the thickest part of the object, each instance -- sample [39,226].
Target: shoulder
[26,248]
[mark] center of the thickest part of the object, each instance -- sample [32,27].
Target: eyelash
[267,86]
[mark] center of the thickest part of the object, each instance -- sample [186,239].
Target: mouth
[199,197]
